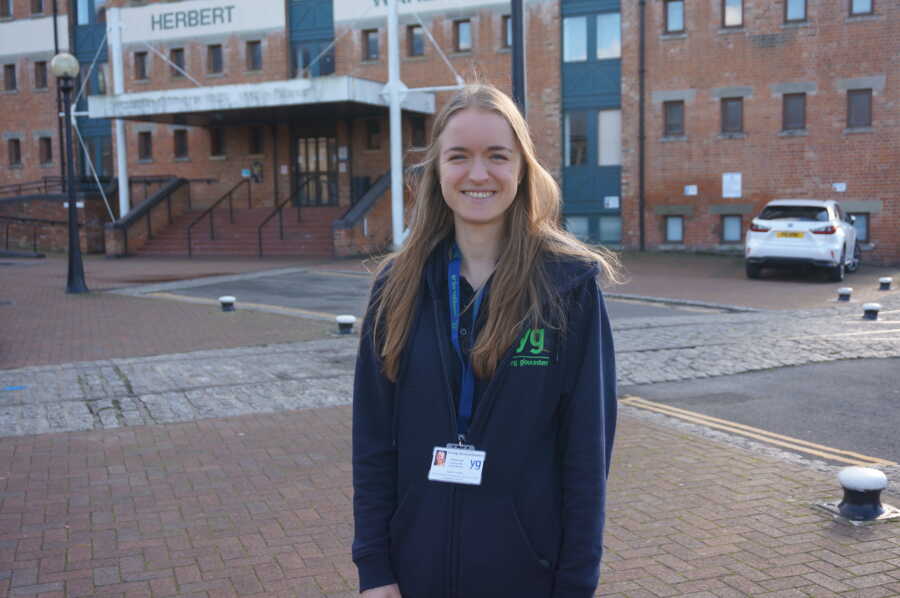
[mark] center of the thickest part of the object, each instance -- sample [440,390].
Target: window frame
[180,145]
[14,152]
[600,137]
[859,93]
[597,18]
[667,132]
[367,36]
[457,26]
[724,129]
[417,124]
[253,55]
[567,138]
[411,40]
[10,77]
[6,9]
[140,66]
[217,146]
[506,33]
[176,57]
[256,140]
[666,220]
[722,238]
[145,146]
[666,29]
[214,53]
[37,7]
[566,46]
[373,134]
[862,14]
[725,25]
[868,218]
[784,111]
[41,81]
[45,150]
[805,16]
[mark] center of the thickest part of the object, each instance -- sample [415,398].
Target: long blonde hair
[521,292]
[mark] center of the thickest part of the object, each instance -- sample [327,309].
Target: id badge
[457,465]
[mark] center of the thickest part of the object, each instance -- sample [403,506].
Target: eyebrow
[492,148]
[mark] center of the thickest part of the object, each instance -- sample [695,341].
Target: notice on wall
[839,187]
[690,189]
[283,169]
[611,202]
[731,184]
[165,21]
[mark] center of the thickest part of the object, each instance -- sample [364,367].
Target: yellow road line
[758,434]
[856,333]
[290,311]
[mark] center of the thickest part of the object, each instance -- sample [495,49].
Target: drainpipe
[518,54]
[641,133]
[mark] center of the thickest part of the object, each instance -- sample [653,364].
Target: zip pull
[461,439]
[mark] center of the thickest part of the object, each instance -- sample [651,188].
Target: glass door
[315,172]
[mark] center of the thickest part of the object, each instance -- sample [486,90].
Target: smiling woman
[486,339]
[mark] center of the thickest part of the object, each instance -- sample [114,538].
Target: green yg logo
[531,351]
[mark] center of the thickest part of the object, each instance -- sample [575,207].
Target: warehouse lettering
[198,17]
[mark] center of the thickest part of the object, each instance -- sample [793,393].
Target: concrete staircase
[312,236]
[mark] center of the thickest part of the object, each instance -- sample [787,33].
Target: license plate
[789,235]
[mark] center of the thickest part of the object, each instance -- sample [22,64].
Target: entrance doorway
[315,171]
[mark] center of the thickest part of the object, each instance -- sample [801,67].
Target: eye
[456,157]
[499,157]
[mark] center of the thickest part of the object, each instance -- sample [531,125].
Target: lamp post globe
[65,68]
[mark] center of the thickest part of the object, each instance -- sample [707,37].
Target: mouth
[479,194]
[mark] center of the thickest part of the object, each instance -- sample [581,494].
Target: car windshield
[812,213]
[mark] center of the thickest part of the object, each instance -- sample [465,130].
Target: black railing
[358,210]
[302,184]
[209,211]
[163,195]
[34,222]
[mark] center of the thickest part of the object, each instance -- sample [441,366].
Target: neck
[480,249]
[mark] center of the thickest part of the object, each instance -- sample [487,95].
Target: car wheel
[752,270]
[853,266]
[836,273]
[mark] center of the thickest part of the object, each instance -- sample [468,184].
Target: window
[5,9]
[574,39]
[415,37]
[861,224]
[145,146]
[732,13]
[579,226]
[675,229]
[216,142]
[373,134]
[859,108]
[732,227]
[254,56]
[214,59]
[609,132]
[506,32]
[610,229]
[9,77]
[732,115]
[861,7]
[575,142]
[674,16]
[176,56]
[673,118]
[40,75]
[37,7]
[14,152]
[794,112]
[45,150]
[609,35]
[180,143]
[256,140]
[370,44]
[417,133]
[462,35]
[140,65]
[794,10]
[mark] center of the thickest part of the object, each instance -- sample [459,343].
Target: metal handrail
[209,211]
[306,180]
[34,225]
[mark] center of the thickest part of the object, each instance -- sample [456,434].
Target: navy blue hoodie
[546,419]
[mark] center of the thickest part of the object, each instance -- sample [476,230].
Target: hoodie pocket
[418,542]
[497,558]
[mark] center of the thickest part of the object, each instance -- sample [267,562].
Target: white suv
[802,231]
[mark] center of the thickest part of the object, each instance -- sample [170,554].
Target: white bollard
[844,293]
[345,324]
[862,493]
[870,311]
[227,302]
[885,283]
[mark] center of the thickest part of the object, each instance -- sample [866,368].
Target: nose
[479,171]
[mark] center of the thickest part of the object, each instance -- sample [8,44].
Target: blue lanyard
[467,384]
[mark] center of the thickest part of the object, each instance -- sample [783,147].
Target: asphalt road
[848,405]
[346,293]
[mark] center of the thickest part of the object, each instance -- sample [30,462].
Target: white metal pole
[114,35]
[393,88]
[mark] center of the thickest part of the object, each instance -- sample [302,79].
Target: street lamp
[65,68]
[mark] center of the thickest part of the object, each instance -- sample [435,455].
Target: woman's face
[480,166]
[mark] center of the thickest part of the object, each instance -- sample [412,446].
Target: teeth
[479,194]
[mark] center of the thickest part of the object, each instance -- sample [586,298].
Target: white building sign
[731,184]
[178,20]
[351,10]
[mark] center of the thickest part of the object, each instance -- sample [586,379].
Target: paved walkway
[215,471]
